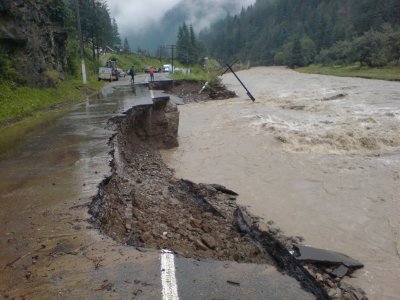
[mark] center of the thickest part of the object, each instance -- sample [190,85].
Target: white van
[109,74]
[167,68]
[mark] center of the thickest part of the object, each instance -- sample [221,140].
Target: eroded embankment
[142,204]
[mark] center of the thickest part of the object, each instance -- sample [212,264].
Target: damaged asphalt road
[54,253]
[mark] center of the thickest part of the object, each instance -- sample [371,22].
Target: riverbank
[391,73]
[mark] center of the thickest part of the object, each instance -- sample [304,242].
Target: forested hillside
[39,42]
[298,33]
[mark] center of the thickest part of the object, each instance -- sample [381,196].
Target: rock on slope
[33,37]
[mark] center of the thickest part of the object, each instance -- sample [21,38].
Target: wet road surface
[48,250]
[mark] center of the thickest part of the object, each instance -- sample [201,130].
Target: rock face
[32,35]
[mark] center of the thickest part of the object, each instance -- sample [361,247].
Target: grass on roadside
[25,110]
[209,74]
[387,73]
[198,74]
[17,102]
[126,61]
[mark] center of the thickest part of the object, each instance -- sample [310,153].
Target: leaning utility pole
[78,19]
[233,72]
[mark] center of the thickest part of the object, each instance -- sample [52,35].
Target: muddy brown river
[318,155]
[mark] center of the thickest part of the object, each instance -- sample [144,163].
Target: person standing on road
[132,73]
[151,71]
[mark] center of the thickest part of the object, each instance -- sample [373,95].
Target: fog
[151,23]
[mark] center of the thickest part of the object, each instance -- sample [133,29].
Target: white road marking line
[168,279]
[152,94]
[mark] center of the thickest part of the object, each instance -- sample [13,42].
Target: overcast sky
[134,15]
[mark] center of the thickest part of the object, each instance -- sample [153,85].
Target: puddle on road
[327,170]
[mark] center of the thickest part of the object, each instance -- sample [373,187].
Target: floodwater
[318,155]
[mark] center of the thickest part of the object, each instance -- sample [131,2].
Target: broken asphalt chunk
[315,255]
[224,190]
[242,220]
[233,282]
[340,271]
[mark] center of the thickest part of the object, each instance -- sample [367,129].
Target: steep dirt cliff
[33,40]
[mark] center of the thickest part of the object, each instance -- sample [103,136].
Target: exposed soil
[143,205]
[197,91]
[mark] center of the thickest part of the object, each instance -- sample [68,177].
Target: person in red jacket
[151,71]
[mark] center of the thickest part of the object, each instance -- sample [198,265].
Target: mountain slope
[266,32]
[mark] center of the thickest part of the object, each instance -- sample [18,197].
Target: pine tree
[126,48]
[296,55]
[183,44]
[115,33]
[193,48]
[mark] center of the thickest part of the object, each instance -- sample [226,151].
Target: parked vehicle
[111,64]
[167,68]
[121,73]
[106,73]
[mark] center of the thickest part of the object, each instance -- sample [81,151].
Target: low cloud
[149,23]
[202,13]
[138,14]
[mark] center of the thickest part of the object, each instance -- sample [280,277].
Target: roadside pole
[248,92]
[78,19]
[172,47]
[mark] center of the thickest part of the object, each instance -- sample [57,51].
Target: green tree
[115,34]
[296,58]
[183,44]
[126,48]
[393,40]
[193,47]
[370,49]
[341,52]
[308,50]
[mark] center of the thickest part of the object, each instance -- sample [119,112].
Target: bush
[371,49]
[340,53]
[394,45]
[308,49]
[279,58]
[12,75]
[3,64]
